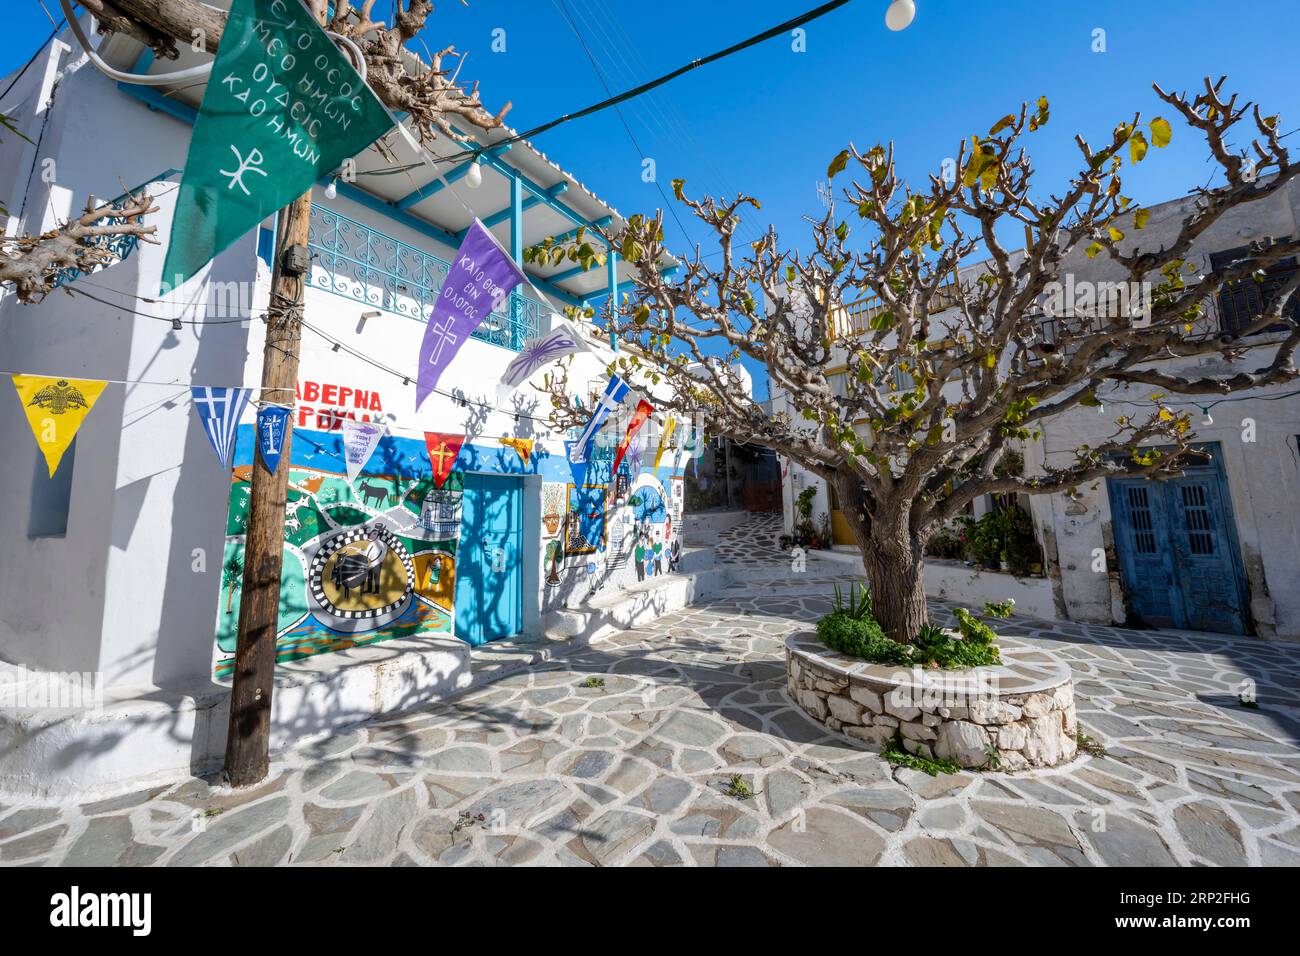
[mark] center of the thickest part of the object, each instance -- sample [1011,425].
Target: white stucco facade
[132,590]
[1252,437]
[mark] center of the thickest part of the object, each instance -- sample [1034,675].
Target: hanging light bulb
[474,175]
[1207,419]
[1101,409]
[332,190]
[899,15]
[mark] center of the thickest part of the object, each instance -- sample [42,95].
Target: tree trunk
[895,578]
[892,557]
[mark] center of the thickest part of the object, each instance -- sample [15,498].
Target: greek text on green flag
[283,108]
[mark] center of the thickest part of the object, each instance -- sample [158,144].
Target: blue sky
[768,120]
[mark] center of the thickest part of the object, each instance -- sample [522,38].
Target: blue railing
[352,260]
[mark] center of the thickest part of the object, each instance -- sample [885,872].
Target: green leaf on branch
[838,164]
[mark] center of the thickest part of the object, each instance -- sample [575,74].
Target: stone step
[696,559]
[699,526]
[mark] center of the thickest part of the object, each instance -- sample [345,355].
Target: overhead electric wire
[26,66]
[621,53]
[622,119]
[777,30]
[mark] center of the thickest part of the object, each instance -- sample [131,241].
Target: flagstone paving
[632,752]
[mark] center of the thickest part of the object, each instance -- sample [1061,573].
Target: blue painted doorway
[489,575]
[1178,552]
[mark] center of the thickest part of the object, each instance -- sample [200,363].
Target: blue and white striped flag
[615,392]
[219,410]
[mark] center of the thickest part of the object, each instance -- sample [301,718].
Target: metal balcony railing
[854,318]
[352,260]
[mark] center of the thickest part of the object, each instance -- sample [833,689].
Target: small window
[51,496]
[1244,302]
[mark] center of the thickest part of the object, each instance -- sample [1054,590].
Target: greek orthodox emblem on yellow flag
[669,427]
[55,409]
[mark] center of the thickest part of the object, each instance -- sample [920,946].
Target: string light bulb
[332,190]
[900,14]
[1207,419]
[474,175]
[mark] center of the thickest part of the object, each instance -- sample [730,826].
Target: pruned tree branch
[429,93]
[911,375]
[33,264]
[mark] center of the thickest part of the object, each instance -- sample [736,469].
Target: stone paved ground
[622,754]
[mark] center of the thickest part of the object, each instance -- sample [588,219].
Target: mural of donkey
[368,491]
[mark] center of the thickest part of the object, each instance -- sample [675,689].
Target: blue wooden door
[1142,541]
[1177,546]
[1205,548]
[489,579]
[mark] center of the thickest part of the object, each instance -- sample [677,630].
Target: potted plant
[804,526]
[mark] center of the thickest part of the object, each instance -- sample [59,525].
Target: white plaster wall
[133,588]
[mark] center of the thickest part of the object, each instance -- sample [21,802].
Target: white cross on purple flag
[219,412]
[477,283]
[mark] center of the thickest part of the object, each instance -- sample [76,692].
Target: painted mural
[363,562]
[376,558]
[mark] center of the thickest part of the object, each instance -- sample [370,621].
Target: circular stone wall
[1009,717]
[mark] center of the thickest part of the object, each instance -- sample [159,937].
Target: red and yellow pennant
[523,448]
[643,411]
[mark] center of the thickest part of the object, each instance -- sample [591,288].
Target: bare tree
[904,458]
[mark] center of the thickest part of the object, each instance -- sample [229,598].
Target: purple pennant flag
[476,285]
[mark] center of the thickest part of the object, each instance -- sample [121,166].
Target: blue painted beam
[429,189]
[165,104]
[499,217]
[517,221]
[569,274]
[611,285]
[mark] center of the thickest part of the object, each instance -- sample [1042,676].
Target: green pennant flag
[283,108]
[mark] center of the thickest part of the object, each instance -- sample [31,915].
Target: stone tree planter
[1009,717]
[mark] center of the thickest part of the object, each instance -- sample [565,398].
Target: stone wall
[1011,717]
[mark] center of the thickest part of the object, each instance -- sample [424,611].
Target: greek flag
[615,392]
[219,410]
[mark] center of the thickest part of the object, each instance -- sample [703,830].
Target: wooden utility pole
[249,737]
[248,741]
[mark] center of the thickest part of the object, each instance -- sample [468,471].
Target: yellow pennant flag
[523,447]
[669,427]
[55,409]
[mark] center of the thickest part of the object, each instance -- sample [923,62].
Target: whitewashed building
[1217,549]
[123,569]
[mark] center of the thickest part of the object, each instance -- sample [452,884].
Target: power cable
[26,66]
[780,28]
[622,119]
